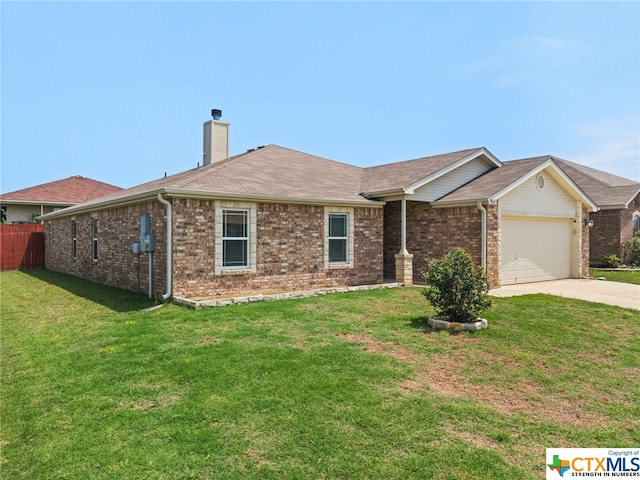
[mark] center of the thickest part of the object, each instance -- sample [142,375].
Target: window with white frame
[235,238]
[636,222]
[74,239]
[339,233]
[94,224]
[338,237]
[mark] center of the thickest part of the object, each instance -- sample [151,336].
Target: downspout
[161,199]
[483,236]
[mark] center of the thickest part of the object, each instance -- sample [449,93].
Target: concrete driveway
[599,291]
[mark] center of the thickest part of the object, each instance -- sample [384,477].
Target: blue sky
[118,91]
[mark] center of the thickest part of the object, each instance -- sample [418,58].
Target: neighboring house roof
[498,182]
[68,191]
[606,190]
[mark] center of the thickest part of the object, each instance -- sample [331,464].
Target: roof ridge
[205,168]
[316,156]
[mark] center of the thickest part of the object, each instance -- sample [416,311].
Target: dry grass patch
[443,374]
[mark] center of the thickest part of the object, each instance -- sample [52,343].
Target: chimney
[216,139]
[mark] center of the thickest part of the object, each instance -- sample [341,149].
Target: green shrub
[457,288]
[632,251]
[610,261]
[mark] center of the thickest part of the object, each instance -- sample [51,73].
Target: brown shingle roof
[270,172]
[70,190]
[492,182]
[274,172]
[605,189]
[394,176]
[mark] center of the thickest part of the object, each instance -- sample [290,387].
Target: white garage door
[535,250]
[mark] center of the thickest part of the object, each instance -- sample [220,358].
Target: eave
[464,203]
[204,194]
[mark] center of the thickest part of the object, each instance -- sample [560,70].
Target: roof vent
[216,114]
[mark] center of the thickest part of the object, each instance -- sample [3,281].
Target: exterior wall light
[588,222]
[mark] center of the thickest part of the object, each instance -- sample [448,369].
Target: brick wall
[432,233]
[493,245]
[611,230]
[290,249]
[116,264]
[604,236]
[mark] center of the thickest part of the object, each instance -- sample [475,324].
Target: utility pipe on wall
[150,274]
[483,236]
[162,200]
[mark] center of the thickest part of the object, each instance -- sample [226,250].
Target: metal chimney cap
[216,114]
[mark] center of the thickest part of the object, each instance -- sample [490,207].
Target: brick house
[618,215]
[27,204]
[275,219]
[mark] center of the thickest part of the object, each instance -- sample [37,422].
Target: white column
[404,260]
[403,227]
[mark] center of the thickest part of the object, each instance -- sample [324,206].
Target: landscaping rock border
[441,322]
[198,304]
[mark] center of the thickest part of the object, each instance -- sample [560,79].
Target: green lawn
[348,386]
[626,276]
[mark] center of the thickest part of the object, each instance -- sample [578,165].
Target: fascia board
[93,207]
[472,156]
[181,193]
[462,203]
[613,207]
[384,193]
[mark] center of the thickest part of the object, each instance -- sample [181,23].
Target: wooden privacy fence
[21,247]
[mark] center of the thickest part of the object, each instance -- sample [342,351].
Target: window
[94,222]
[338,238]
[3,214]
[636,223]
[339,233]
[74,240]
[235,238]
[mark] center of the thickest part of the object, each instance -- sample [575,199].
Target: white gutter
[161,199]
[483,236]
